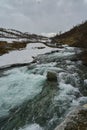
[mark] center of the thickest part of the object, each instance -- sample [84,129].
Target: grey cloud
[39,16]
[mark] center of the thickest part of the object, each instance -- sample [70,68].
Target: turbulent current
[28,101]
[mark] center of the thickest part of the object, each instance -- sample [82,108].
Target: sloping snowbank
[26,55]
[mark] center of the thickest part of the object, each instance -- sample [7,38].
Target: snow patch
[24,56]
[49,34]
[11,40]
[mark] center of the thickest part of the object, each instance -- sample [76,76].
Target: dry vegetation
[77,36]
[6,47]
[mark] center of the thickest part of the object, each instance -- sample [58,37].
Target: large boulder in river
[52,76]
[76,120]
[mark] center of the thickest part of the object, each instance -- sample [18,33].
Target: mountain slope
[77,36]
[15,34]
[11,39]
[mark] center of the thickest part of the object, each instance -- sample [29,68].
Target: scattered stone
[51,76]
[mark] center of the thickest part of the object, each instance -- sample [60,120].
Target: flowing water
[29,102]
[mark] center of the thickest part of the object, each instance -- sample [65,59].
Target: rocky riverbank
[76,120]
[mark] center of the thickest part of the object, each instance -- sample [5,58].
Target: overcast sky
[39,16]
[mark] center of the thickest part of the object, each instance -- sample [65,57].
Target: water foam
[31,127]
[17,87]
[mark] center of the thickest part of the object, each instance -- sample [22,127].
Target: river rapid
[28,101]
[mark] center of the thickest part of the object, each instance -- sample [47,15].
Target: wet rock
[76,120]
[51,76]
[85,106]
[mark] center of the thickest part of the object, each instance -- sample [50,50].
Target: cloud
[85,1]
[39,16]
[38,1]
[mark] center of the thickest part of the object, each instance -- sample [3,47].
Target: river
[29,102]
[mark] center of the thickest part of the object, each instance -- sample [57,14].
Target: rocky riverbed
[30,100]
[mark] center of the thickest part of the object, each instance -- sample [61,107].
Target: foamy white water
[31,127]
[17,87]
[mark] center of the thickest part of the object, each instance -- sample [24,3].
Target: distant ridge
[15,34]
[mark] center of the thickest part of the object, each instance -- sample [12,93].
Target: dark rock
[40,47]
[51,76]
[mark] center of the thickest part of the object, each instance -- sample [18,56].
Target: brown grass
[6,47]
[77,36]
